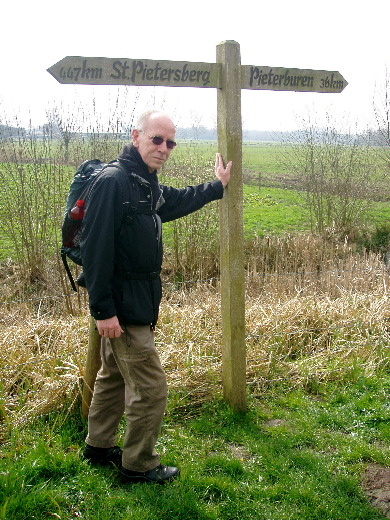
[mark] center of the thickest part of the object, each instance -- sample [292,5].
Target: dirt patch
[376,486]
[275,422]
[239,452]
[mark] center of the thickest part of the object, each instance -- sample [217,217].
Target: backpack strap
[135,205]
[67,269]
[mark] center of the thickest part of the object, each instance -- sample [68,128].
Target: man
[122,257]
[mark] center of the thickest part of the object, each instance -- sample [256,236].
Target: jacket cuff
[218,187]
[102,315]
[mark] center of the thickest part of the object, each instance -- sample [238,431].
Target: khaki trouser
[131,380]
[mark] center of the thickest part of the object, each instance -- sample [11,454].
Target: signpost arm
[231,228]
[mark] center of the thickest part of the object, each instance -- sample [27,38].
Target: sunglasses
[159,140]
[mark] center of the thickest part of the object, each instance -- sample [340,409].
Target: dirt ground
[376,486]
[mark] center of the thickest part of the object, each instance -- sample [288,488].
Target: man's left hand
[222,173]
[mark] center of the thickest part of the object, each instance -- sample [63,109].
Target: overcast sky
[336,35]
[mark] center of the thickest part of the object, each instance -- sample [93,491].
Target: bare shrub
[35,179]
[31,199]
[88,132]
[381,107]
[192,242]
[338,175]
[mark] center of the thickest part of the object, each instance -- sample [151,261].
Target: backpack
[79,191]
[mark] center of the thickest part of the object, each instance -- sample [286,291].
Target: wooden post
[229,77]
[92,366]
[232,229]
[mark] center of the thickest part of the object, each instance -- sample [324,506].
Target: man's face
[154,156]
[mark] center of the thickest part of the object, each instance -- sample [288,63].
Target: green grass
[256,156]
[273,210]
[275,207]
[379,214]
[292,456]
[266,158]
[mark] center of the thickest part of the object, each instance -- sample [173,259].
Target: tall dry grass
[316,311]
[303,328]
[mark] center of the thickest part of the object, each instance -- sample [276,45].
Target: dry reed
[303,328]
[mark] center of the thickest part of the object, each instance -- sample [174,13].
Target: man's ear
[135,135]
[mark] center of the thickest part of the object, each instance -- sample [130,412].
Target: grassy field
[273,210]
[290,457]
[274,202]
[317,425]
[318,381]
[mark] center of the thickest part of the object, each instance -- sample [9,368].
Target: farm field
[274,201]
[314,442]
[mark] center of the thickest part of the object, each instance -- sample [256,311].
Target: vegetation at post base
[317,336]
[291,456]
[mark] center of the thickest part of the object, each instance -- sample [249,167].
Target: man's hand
[222,173]
[109,328]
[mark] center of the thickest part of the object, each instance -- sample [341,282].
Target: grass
[318,382]
[273,210]
[317,338]
[302,325]
[293,455]
[257,156]
[283,210]
[379,214]
[272,204]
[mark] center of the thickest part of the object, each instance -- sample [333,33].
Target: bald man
[121,249]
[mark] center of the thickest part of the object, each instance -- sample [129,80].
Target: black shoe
[159,475]
[103,456]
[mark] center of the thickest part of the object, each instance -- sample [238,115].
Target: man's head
[153,125]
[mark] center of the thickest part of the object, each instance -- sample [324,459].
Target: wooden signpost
[229,77]
[78,70]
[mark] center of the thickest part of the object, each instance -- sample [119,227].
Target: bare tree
[66,129]
[381,106]
[380,136]
[336,173]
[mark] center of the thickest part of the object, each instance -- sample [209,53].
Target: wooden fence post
[92,365]
[232,229]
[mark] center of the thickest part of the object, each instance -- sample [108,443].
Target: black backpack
[79,190]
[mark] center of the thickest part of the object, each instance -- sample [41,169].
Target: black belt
[140,276]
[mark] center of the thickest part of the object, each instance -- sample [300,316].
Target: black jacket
[121,255]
